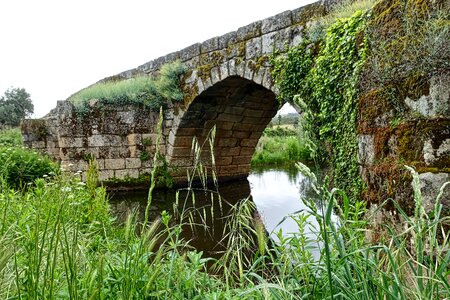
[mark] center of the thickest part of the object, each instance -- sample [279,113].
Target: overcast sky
[53,48]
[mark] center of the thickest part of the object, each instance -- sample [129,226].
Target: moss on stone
[36,127]
[204,71]
[242,48]
[309,12]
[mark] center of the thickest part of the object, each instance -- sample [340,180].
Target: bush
[11,137]
[20,166]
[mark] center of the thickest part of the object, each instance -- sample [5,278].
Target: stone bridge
[228,85]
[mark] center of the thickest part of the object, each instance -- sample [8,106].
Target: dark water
[276,193]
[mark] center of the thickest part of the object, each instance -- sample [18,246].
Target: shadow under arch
[240,109]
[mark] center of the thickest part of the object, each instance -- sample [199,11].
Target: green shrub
[20,166]
[11,137]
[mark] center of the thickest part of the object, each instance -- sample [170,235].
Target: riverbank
[59,240]
[281,145]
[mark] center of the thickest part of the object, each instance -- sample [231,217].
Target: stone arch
[240,109]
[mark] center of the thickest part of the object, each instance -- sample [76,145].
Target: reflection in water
[276,194]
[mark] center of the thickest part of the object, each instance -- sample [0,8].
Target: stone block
[132,163]
[228,151]
[150,139]
[296,35]
[276,22]
[71,142]
[430,185]
[224,160]
[38,144]
[249,142]
[181,152]
[308,12]
[432,155]
[230,117]
[256,113]
[249,31]
[126,173]
[234,110]
[209,45]
[240,68]
[126,117]
[437,102]
[227,142]
[114,164]
[133,139]
[227,170]
[249,70]
[247,151]
[183,141]
[258,75]
[268,43]
[96,141]
[223,69]
[105,175]
[232,67]
[189,52]
[243,169]
[253,48]
[241,134]
[366,149]
[241,160]
[215,75]
[144,171]
[227,39]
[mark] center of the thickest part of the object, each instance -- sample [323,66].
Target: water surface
[277,194]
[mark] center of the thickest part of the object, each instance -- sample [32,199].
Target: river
[276,193]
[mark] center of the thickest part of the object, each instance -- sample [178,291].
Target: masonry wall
[121,139]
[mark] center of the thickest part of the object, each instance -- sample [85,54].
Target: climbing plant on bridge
[143,90]
[324,76]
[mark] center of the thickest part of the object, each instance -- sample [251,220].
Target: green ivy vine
[322,78]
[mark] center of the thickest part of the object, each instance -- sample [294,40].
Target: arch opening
[240,109]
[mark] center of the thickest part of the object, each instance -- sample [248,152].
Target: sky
[54,48]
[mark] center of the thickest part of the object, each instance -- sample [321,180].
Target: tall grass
[280,147]
[58,240]
[140,90]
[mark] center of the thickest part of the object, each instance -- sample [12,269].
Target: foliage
[15,105]
[21,166]
[274,149]
[343,9]
[324,83]
[11,137]
[58,240]
[141,90]
[406,39]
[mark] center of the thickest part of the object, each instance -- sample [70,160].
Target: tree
[15,105]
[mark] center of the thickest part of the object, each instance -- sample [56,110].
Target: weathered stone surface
[430,187]
[366,149]
[132,163]
[437,102]
[430,154]
[189,52]
[277,22]
[246,32]
[209,45]
[114,164]
[253,48]
[126,173]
